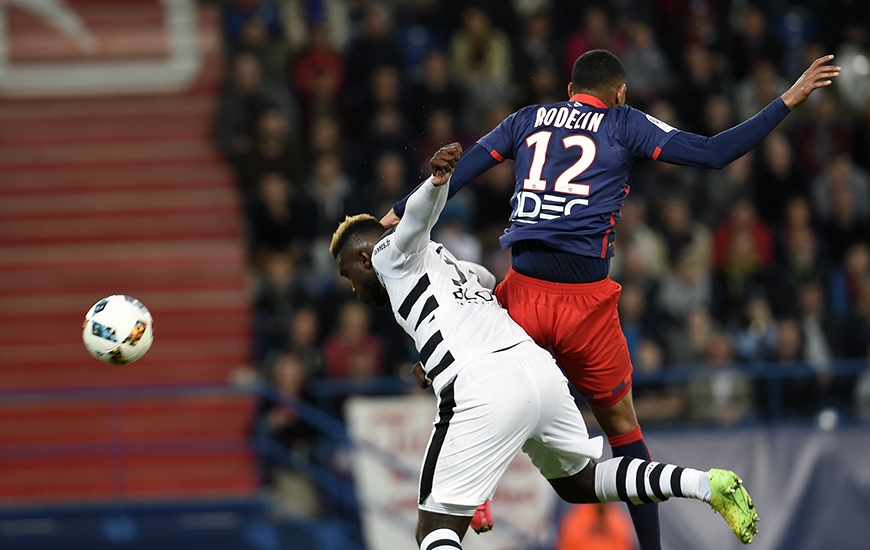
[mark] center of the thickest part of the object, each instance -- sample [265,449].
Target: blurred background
[199,155]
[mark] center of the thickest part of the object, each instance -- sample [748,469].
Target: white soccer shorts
[498,404]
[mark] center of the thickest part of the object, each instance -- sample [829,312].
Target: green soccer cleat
[730,499]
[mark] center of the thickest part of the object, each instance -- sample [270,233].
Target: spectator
[388,133]
[797,216]
[698,82]
[819,328]
[754,44]
[845,225]
[632,317]
[302,18]
[719,189]
[646,67]
[388,185]
[857,328]
[821,135]
[238,13]
[779,178]
[436,90]
[798,393]
[800,264]
[655,399]
[352,351]
[375,48]
[685,288]
[841,176]
[384,93]
[740,275]
[636,236]
[325,137]
[742,220]
[480,60]
[303,341]
[861,143]
[385,90]
[852,55]
[274,150]
[688,341]
[297,494]
[241,105]
[318,71]
[536,64]
[685,239]
[439,129]
[259,38]
[285,218]
[277,292]
[720,394]
[329,187]
[756,338]
[594,33]
[847,278]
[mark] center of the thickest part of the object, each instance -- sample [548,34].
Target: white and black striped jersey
[440,301]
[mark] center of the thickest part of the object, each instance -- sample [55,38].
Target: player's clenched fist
[443,162]
[817,76]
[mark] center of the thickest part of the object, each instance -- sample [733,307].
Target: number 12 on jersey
[540,142]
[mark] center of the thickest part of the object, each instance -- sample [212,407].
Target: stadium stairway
[119,194]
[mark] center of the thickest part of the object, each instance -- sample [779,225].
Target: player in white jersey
[498,392]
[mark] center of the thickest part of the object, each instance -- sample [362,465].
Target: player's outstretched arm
[426,202]
[818,75]
[688,149]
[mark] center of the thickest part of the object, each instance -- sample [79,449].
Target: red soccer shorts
[580,325]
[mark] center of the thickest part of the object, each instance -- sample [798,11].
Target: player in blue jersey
[572,160]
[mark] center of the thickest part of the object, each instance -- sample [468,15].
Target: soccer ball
[118,330]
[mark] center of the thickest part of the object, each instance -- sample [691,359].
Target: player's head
[601,74]
[351,246]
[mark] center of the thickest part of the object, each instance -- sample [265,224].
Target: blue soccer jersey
[573,159]
[572,162]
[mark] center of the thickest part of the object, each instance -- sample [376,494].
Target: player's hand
[420,375]
[818,75]
[391,219]
[443,162]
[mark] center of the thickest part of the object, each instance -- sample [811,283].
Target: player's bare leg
[617,419]
[440,531]
[619,423]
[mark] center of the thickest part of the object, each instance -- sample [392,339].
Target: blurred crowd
[334,107]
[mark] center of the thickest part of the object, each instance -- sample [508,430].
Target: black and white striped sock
[441,539]
[640,481]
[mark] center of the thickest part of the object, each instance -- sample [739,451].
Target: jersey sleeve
[727,146]
[499,143]
[644,135]
[422,210]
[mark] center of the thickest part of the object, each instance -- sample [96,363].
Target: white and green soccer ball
[118,330]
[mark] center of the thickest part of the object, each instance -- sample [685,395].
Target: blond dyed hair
[348,227]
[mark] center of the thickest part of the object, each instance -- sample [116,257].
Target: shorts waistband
[573,289]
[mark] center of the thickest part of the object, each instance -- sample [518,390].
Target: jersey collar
[588,100]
